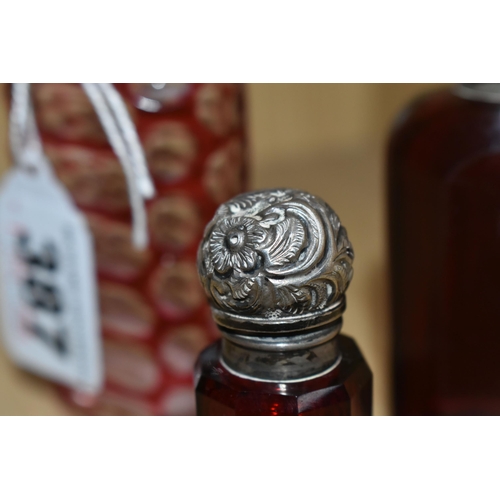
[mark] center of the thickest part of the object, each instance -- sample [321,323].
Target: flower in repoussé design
[233,244]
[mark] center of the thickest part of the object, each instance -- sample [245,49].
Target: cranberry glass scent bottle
[275,266]
[154,319]
[444,186]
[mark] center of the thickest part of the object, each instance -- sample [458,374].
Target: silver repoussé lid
[275,262]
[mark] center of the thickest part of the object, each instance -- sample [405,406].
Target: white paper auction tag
[48,285]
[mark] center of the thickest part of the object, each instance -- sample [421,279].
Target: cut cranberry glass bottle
[444,186]
[153,315]
[275,266]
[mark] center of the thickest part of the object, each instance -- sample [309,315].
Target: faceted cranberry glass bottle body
[275,266]
[346,390]
[444,186]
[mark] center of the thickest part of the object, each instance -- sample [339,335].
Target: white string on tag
[22,127]
[120,131]
[139,183]
[131,138]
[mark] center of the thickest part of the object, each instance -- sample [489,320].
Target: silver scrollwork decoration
[274,257]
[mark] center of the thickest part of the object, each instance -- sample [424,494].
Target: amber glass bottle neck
[481,92]
[291,358]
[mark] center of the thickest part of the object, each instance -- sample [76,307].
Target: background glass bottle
[444,171]
[153,316]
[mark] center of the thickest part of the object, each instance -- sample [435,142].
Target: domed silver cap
[275,262]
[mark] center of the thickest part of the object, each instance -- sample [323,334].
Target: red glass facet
[346,390]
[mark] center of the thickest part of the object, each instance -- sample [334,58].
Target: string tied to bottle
[121,133]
